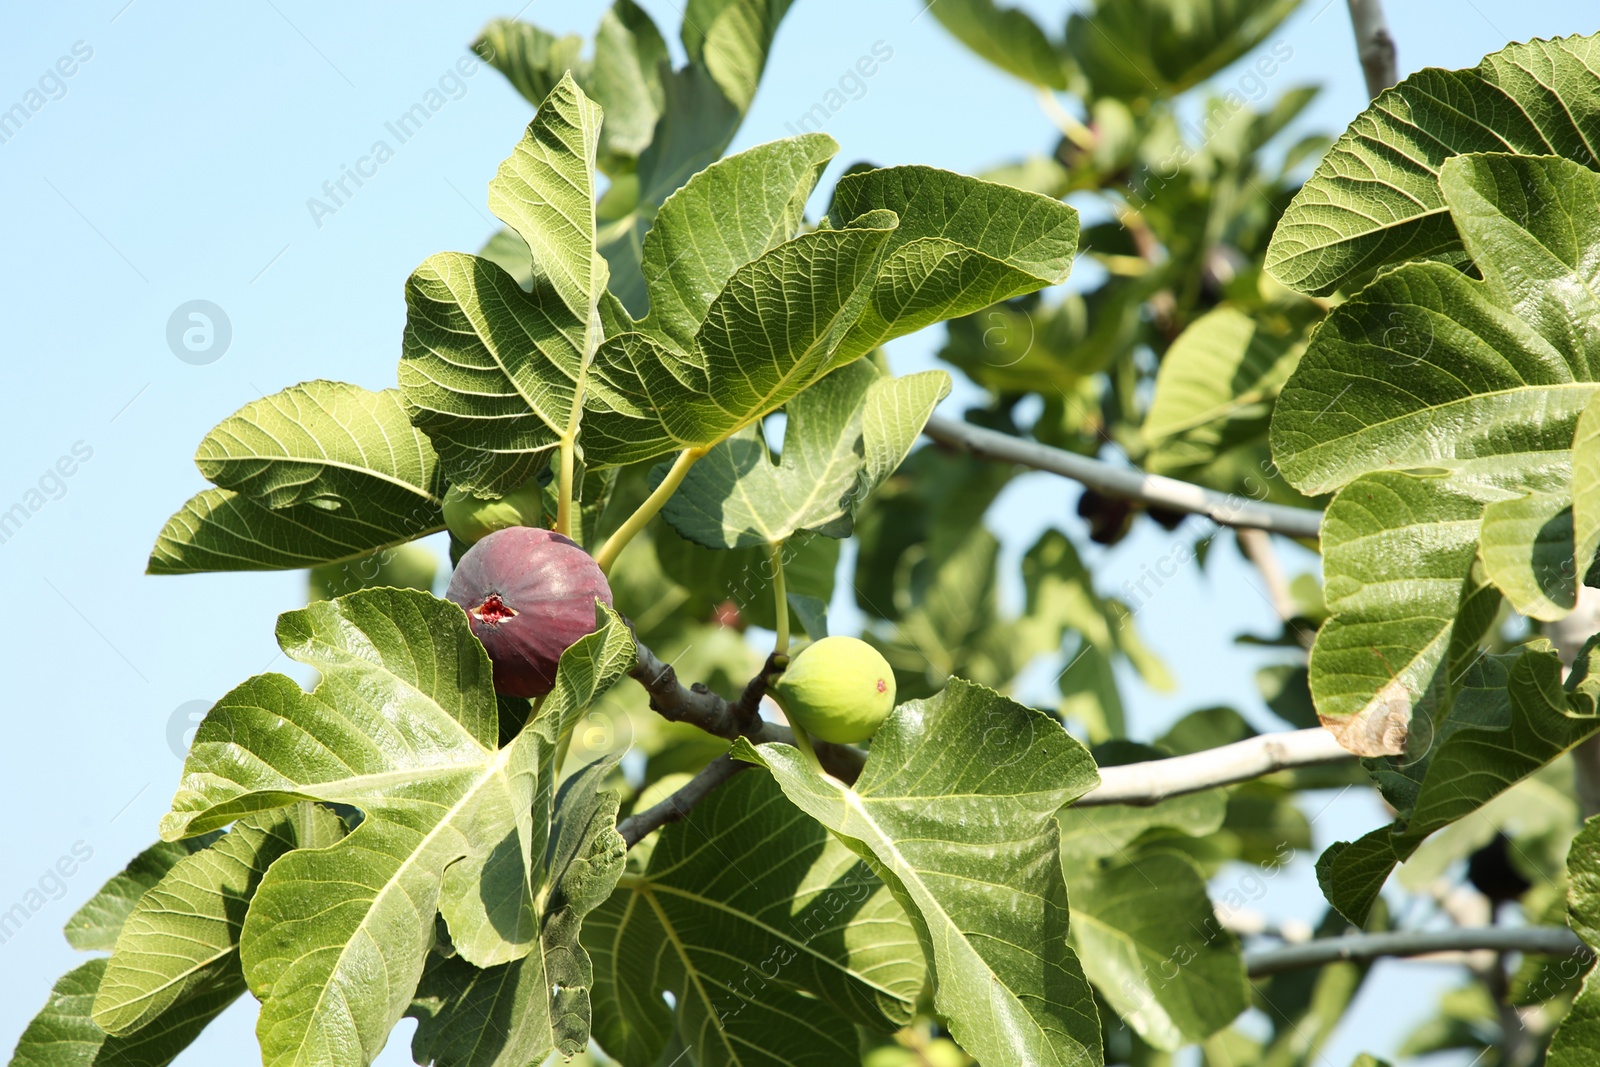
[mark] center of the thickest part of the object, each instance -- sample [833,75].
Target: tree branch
[1226,508]
[641,824]
[1374,45]
[1544,940]
[1257,548]
[1155,780]
[698,706]
[1133,783]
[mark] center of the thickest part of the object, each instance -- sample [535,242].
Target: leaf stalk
[780,597]
[564,488]
[645,512]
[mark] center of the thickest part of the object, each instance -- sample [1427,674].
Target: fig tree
[472,518]
[528,594]
[839,689]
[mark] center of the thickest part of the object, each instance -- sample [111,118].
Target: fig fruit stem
[780,596]
[653,503]
[802,741]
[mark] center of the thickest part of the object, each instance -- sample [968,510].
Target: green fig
[472,518]
[839,689]
[404,567]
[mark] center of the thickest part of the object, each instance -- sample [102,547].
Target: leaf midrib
[689,969]
[852,801]
[1326,444]
[176,979]
[822,335]
[495,765]
[245,457]
[645,885]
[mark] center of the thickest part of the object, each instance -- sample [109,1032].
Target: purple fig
[528,594]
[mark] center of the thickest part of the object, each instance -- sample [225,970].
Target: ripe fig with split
[529,594]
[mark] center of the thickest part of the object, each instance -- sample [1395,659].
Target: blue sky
[175,164]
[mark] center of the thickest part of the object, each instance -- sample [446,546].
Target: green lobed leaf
[696,126]
[772,937]
[1005,36]
[727,215]
[768,335]
[961,244]
[533,60]
[63,1034]
[95,926]
[955,809]
[817,301]
[1513,716]
[181,940]
[492,373]
[218,530]
[842,438]
[1376,198]
[507,1015]
[1575,1041]
[731,38]
[402,725]
[323,443]
[320,472]
[1156,48]
[1476,387]
[1149,939]
[625,80]
[1427,367]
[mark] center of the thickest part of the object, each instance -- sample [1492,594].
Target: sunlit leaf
[1474,386]
[1376,198]
[492,373]
[739,911]
[320,472]
[403,726]
[182,939]
[842,438]
[1513,716]
[512,1014]
[956,807]
[770,333]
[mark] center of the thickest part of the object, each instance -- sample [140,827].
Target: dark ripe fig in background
[529,594]
[1110,517]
